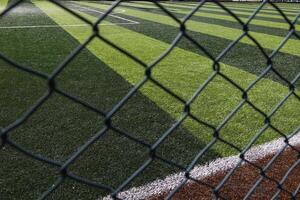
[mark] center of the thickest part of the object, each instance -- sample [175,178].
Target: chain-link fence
[186,105]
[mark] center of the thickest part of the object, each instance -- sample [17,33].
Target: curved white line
[202,171]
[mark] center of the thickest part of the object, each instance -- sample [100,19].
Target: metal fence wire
[186,105]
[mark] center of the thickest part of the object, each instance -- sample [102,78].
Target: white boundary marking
[57,26]
[118,11]
[77,25]
[112,15]
[141,6]
[202,171]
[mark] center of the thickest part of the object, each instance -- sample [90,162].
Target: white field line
[77,25]
[112,15]
[152,7]
[57,26]
[118,11]
[202,171]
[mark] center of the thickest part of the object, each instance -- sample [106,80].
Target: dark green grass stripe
[253,62]
[289,6]
[265,40]
[259,17]
[220,11]
[291,9]
[223,22]
[12,1]
[272,18]
[60,126]
[242,8]
[181,71]
[177,71]
[231,24]
[235,24]
[263,14]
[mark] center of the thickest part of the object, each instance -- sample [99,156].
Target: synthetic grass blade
[234,8]
[208,9]
[175,70]
[60,126]
[265,40]
[3,4]
[281,25]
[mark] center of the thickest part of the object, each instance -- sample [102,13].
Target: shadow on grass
[61,126]
[243,56]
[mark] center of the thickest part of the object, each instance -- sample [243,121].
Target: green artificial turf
[163,72]
[270,14]
[265,40]
[183,81]
[3,4]
[227,17]
[101,76]
[231,23]
[206,8]
[254,62]
[290,9]
[60,126]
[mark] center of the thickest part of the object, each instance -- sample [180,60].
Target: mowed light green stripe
[281,25]
[267,41]
[3,4]
[218,9]
[244,8]
[267,7]
[208,8]
[173,72]
[139,5]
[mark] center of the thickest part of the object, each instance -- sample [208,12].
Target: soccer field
[40,36]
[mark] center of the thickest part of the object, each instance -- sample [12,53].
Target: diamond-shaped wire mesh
[186,104]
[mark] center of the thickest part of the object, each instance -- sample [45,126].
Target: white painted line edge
[57,26]
[77,25]
[112,15]
[201,171]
